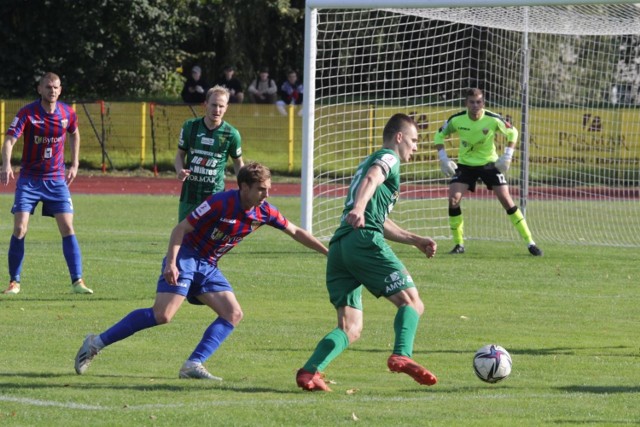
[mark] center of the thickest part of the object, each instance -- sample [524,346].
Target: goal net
[567,76]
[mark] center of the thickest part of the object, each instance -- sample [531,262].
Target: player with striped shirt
[204,147]
[478,159]
[45,125]
[190,268]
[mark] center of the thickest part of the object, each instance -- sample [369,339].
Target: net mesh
[579,66]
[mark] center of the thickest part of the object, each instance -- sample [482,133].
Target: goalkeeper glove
[447,166]
[504,162]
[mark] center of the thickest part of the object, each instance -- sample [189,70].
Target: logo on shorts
[393,277]
[182,284]
[396,280]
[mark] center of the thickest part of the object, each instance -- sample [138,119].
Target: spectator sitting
[290,93]
[232,83]
[263,89]
[195,88]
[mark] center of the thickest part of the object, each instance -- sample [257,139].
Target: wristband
[509,151]
[443,155]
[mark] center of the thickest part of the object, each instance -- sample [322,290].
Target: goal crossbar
[401,4]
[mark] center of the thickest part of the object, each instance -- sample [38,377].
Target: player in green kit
[204,147]
[359,255]
[478,159]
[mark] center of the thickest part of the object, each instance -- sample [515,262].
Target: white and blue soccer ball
[492,363]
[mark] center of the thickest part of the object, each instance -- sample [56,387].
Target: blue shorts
[54,195]
[196,277]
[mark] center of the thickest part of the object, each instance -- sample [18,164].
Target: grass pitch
[569,320]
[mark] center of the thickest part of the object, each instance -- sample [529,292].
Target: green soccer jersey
[207,154]
[477,137]
[384,198]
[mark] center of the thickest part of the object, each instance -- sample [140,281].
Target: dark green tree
[109,49]
[123,49]
[245,33]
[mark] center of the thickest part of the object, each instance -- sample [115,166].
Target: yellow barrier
[576,135]
[143,131]
[573,135]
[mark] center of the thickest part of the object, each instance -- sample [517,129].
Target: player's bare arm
[171,271]
[72,171]
[395,233]
[181,172]
[367,188]
[6,173]
[237,164]
[302,236]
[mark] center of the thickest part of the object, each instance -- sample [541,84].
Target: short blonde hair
[49,77]
[220,90]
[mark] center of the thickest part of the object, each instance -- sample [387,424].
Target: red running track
[104,184]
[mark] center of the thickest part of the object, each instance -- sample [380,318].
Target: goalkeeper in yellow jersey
[478,159]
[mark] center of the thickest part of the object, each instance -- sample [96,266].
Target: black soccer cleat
[459,249]
[534,250]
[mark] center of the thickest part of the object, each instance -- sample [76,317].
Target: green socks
[520,224]
[335,342]
[330,347]
[457,229]
[456,223]
[405,326]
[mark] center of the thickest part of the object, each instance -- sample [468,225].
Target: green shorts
[184,209]
[359,258]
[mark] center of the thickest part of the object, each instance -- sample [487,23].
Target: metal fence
[131,135]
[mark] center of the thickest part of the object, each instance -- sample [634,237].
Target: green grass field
[569,320]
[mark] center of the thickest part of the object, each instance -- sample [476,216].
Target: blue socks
[143,318]
[133,322]
[16,256]
[213,337]
[71,251]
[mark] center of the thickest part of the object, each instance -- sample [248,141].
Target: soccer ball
[492,363]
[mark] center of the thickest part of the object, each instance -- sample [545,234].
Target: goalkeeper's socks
[330,347]
[456,223]
[71,251]
[211,340]
[133,322]
[16,256]
[518,221]
[405,326]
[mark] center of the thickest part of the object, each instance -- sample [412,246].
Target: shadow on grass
[127,382]
[567,351]
[600,389]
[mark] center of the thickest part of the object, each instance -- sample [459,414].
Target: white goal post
[565,73]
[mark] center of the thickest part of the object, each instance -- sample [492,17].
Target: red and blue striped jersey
[221,223]
[44,137]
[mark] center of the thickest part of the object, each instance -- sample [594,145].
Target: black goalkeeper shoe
[459,249]
[534,250]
